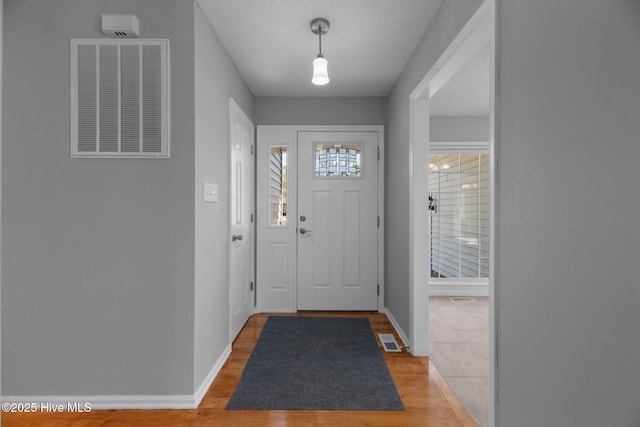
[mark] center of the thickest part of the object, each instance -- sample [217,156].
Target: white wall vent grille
[120,98]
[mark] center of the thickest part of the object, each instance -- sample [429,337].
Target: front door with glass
[337,221]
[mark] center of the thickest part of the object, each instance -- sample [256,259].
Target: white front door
[241,212]
[337,221]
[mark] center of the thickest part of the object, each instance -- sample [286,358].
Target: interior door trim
[269,135]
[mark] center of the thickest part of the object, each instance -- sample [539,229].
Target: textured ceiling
[367,46]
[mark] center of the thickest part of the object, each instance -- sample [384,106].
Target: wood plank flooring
[426,396]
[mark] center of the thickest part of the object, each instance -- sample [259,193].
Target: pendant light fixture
[320,77]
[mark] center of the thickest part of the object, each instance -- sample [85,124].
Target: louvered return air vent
[119,98]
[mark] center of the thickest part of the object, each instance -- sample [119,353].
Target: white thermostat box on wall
[121,25]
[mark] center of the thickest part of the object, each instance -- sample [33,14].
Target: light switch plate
[210,193]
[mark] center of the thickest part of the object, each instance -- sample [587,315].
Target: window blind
[459,184]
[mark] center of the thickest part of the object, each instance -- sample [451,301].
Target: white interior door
[337,221]
[241,212]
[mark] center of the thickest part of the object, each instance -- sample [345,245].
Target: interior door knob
[304,231]
[236,237]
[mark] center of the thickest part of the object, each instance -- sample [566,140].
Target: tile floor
[459,346]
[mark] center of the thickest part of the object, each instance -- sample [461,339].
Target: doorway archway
[478,32]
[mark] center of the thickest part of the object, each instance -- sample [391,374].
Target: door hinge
[252,218]
[252,150]
[378,222]
[378,290]
[378,153]
[251,286]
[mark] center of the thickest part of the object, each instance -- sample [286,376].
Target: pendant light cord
[320,40]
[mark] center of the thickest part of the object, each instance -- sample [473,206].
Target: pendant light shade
[320,77]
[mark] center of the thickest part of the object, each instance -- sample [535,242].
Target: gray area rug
[316,363]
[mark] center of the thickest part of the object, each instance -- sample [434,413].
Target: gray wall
[113,271]
[459,128]
[320,111]
[216,79]
[568,212]
[97,254]
[450,18]
[1,80]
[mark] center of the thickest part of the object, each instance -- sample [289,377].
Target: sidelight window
[278,185]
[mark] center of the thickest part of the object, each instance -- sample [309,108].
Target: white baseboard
[180,401]
[405,340]
[458,290]
[276,310]
[213,373]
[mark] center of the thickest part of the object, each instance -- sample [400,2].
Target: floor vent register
[389,343]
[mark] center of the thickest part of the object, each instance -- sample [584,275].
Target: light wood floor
[426,396]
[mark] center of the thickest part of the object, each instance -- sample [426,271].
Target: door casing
[276,245]
[480,29]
